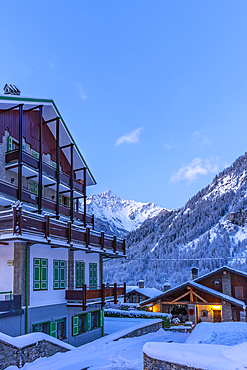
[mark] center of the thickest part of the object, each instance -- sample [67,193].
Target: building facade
[51,257]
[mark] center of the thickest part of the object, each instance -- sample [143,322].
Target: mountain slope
[209,231]
[115,215]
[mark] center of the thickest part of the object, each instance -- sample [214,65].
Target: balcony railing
[99,293]
[28,197]
[13,156]
[20,224]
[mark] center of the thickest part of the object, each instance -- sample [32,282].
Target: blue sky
[154,92]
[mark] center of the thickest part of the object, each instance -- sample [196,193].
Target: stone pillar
[20,270]
[226,311]
[71,269]
[192,317]
[226,283]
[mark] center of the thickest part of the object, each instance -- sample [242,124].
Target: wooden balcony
[28,197]
[17,224]
[99,294]
[12,157]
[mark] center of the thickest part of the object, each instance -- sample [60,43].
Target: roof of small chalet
[200,287]
[223,268]
[50,111]
[148,292]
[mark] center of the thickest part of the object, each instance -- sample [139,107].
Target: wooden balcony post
[125,296]
[58,166]
[71,182]
[47,226]
[69,231]
[88,237]
[20,220]
[85,195]
[14,220]
[40,159]
[103,295]
[20,164]
[84,297]
[102,240]
[115,293]
[115,244]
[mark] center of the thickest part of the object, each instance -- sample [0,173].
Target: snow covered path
[124,354]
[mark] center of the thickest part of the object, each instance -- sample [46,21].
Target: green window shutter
[44,273]
[80,274]
[95,275]
[36,188]
[60,199]
[35,328]
[101,318]
[88,321]
[53,329]
[10,143]
[69,202]
[55,274]
[24,147]
[36,274]
[31,186]
[75,325]
[90,274]
[62,274]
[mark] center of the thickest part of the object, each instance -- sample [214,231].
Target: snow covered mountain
[116,215]
[209,231]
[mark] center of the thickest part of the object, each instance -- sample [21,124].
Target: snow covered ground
[211,346]
[113,324]
[124,354]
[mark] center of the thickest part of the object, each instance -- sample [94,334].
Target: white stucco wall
[55,296]
[7,272]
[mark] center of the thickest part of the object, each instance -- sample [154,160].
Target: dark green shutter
[93,275]
[44,273]
[80,274]
[62,274]
[101,318]
[36,274]
[88,321]
[75,325]
[10,144]
[55,274]
[60,199]
[53,329]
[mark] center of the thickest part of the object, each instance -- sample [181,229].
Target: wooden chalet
[217,296]
[51,256]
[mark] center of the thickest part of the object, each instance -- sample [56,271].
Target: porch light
[216,308]
[150,308]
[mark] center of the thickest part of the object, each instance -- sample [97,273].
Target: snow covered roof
[148,292]
[234,271]
[203,288]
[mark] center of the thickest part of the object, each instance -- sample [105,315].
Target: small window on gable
[216,283]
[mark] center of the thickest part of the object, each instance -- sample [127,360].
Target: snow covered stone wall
[153,364]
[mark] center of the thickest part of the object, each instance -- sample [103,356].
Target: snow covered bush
[165,317]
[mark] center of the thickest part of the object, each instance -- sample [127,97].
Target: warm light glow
[216,307]
[150,308]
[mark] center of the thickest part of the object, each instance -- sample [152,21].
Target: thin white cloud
[80,92]
[172,144]
[202,138]
[131,138]
[197,167]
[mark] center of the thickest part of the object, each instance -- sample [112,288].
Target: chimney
[226,283]
[140,284]
[194,271]
[167,286]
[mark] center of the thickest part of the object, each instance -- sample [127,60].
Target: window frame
[40,265]
[59,267]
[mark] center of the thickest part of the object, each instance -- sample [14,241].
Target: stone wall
[226,311]
[226,283]
[12,355]
[153,364]
[142,331]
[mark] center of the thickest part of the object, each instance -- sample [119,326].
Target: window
[61,329]
[13,145]
[79,324]
[59,274]
[35,154]
[34,187]
[64,201]
[94,319]
[80,273]
[40,274]
[44,327]
[216,283]
[92,275]
[204,313]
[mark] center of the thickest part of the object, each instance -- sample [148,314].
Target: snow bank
[204,356]
[226,333]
